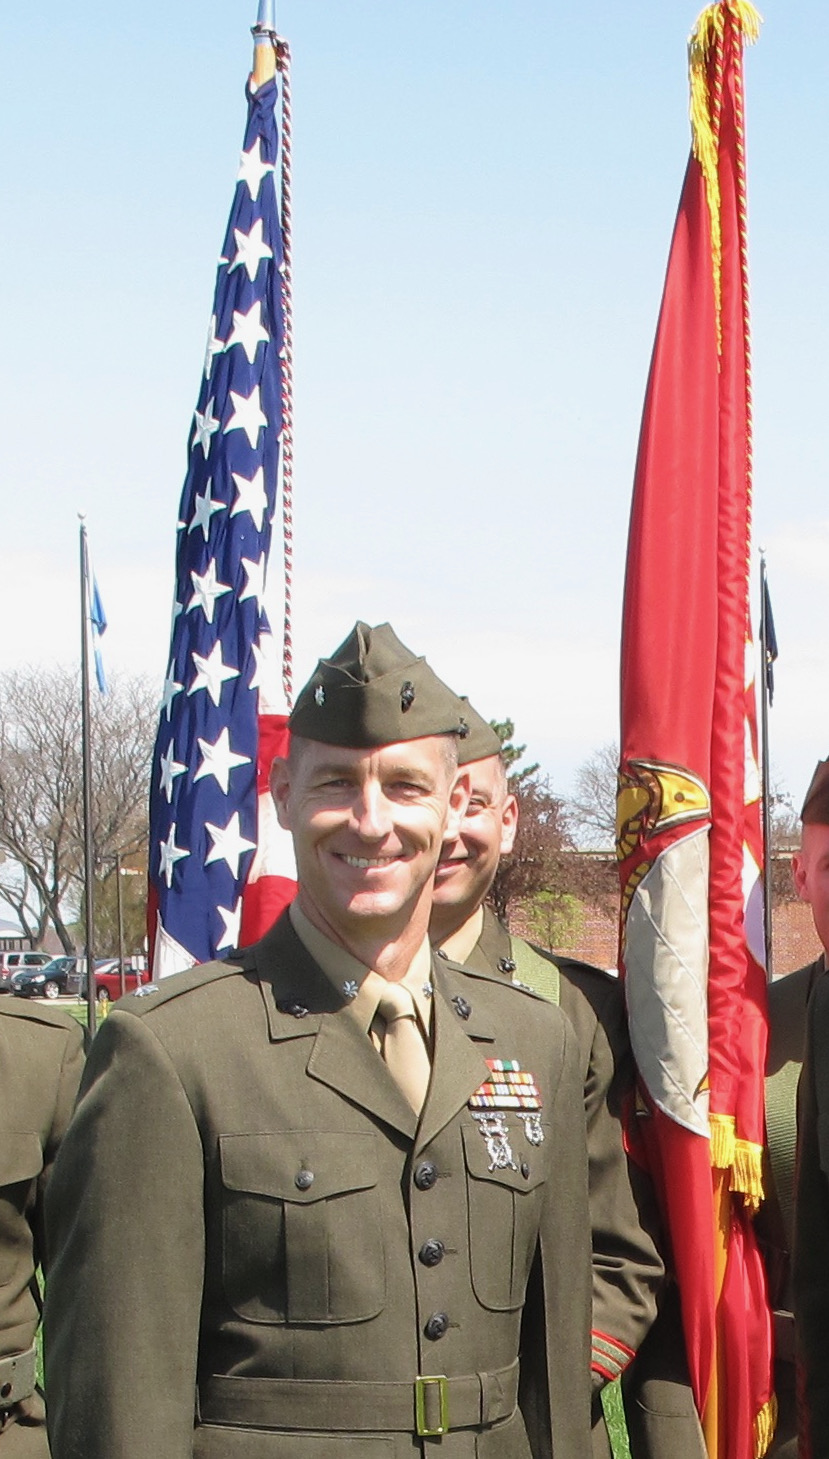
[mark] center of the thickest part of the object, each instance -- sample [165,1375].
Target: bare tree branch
[41,804]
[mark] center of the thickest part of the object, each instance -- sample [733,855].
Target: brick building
[587,926]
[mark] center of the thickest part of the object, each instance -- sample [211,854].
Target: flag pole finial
[264,43]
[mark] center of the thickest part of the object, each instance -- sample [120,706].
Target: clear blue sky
[484,198]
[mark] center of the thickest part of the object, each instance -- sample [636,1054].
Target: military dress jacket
[788,998]
[41,1059]
[260,1248]
[627,1267]
[810,1264]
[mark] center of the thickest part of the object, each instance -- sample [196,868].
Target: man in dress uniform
[328,1199]
[627,1268]
[41,1058]
[799,1015]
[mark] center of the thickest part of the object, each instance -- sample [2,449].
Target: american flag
[212,849]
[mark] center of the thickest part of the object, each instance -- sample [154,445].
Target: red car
[108,981]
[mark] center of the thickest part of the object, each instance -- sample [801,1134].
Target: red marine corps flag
[689,824]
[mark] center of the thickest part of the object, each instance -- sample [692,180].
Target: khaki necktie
[403,1048]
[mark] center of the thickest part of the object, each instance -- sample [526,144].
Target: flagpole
[264,43]
[766,774]
[88,867]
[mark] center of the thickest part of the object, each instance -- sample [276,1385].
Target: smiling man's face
[368,827]
[470,858]
[811,876]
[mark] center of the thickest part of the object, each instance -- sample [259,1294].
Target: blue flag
[203,798]
[98,619]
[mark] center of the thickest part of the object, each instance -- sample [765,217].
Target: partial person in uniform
[799,1017]
[41,1059]
[788,1000]
[328,1199]
[627,1268]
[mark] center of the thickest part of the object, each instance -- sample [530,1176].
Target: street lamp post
[120,903]
[119,872]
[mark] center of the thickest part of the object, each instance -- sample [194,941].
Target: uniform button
[436,1326]
[525,1170]
[462,1008]
[506,965]
[425,1175]
[304,1179]
[431,1252]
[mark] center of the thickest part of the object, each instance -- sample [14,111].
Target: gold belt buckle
[421,1384]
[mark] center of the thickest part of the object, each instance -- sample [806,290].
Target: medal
[493,1127]
[533,1128]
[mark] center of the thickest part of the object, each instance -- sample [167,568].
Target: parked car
[108,980]
[47,981]
[13,962]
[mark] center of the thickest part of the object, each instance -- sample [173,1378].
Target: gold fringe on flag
[723,1141]
[742,1159]
[765,1424]
[747,1174]
[705,38]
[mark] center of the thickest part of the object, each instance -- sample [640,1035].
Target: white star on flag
[256,580]
[206,426]
[169,692]
[218,760]
[213,347]
[248,331]
[211,673]
[206,589]
[170,768]
[252,169]
[203,509]
[170,854]
[233,921]
[228,844]
[251,248]
[251,496]
[248,415]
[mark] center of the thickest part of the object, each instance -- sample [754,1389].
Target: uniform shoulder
[39,1013]
[794,988]
[494,980]
[571,967]
[151,996]
[583,975]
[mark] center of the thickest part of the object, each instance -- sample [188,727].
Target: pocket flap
[299,1165]
[21,1156]
[478,1159]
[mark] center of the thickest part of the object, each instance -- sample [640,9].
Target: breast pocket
[21,1161]
[302,1237]
[504,1212]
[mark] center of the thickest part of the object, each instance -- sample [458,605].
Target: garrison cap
[375,691]
[816,805]
[481,742]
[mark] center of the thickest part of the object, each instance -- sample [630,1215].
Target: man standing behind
[41,1058]
[627,1269]
[307,1191]
[799,1016]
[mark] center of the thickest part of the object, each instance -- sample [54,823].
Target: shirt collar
[460,944]
[342,969]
